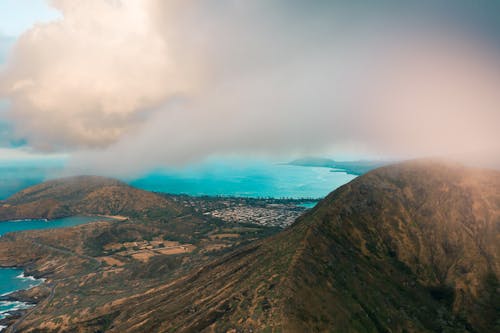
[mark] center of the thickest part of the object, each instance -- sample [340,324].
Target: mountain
[412,247]
[407,248]
[351,167]
[82,195]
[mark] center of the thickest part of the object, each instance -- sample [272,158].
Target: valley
[411,247]
[163,241]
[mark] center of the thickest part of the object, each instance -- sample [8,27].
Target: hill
[412,247]
[406,248]
[82,195]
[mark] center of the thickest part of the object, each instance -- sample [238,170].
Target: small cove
[13,279]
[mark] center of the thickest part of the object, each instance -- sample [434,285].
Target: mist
[127,86]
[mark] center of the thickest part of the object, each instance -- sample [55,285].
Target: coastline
[15,303]
[17,298]
[24,287]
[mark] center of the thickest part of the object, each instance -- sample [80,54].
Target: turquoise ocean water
[227,177]
[12,279]
[246,180]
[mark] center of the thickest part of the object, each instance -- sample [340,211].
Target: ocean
[12,279]
[244,178]
[257,179]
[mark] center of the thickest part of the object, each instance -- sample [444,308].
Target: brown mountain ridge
[412,247]
[81,195]
[406,248]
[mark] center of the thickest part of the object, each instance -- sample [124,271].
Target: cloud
[131,85]
[12,156]
[86,79]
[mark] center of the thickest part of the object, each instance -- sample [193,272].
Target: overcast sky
[154,83]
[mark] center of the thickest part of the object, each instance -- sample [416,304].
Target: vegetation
[406,248]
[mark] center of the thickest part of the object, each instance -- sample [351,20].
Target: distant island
[357,168]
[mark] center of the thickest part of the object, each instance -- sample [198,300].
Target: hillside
[82,195]
[406,248]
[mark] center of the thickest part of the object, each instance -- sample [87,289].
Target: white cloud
[152,82]
[86,79]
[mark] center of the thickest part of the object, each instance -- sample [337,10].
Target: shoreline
[24,297]
[16,304]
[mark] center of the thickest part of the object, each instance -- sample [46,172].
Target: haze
[159,83]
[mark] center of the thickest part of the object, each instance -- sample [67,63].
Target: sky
[17,16]
[124,86]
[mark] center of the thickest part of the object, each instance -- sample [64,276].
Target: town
[268,212]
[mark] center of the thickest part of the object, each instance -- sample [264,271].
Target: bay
[259,180]
[11,226]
